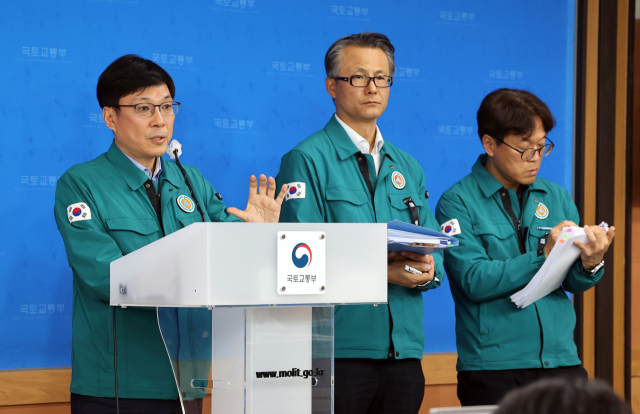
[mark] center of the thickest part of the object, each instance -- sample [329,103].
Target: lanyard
[506,202]
[154,198]
[414,210]
[364,170]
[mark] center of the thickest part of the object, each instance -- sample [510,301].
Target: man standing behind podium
[347,173]
[119,202]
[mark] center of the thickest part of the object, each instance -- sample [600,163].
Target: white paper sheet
[555,268]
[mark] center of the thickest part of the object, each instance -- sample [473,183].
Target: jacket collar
[132,174]
[127,170]
[171,173]
[340,139]
[344,145]
[488,183]
[389,151]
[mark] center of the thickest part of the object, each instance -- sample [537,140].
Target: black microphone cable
[184,174]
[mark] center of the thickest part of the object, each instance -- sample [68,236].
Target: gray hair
[333,58]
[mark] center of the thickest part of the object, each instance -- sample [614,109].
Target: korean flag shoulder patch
[295,190]
[78,212]
[451,227]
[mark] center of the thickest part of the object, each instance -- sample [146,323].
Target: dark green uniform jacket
[336,192]
[122,220]
[488,267]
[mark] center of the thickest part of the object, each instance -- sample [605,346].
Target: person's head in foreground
[563,396]
[513,126]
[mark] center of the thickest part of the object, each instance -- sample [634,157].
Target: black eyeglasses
[362,81]
[529,153]
[145,110]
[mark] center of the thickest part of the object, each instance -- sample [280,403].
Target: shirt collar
[488,183]
[156,173]
[358,140]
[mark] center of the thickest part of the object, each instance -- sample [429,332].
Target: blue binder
[443,241]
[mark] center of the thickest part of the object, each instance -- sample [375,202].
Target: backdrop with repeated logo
[250,77]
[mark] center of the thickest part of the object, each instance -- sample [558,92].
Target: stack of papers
[404,237]
[555,268]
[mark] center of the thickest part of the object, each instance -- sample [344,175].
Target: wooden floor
[47,391]
[434,396]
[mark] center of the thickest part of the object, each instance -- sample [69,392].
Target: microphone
[174,149]
[173,146]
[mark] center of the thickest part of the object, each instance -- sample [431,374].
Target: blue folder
[445,241]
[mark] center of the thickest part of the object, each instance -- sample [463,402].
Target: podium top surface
[235,264]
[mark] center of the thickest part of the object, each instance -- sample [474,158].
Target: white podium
[236,321]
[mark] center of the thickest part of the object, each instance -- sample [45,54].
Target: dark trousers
[378,386]
[488,387]
[85,404]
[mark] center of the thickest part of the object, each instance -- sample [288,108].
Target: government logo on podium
[301,262]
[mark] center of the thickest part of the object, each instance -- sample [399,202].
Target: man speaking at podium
[507,221]
[347,173]
[119,202]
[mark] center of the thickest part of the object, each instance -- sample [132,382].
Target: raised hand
[263,206]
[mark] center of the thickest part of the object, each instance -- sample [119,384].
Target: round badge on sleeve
[542,212]
[186,204]
[397,179]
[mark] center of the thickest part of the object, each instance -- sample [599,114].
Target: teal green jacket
[122,220]
[337,193]
[487,268]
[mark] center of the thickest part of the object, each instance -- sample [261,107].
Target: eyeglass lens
[166,109]
[531,152]
[380,81]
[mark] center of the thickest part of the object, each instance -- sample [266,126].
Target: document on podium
[555,268]
[404,237]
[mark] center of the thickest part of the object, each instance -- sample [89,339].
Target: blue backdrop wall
[250,77]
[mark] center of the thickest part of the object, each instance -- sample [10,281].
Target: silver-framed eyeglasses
[362,81]
[529,153]
[145,109]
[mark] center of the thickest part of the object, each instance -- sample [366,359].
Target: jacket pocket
[140,226]
[484,328]
[131,234]
[404,213]
[499,239]
[345,204]
[185,221]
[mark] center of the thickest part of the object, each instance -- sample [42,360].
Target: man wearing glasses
[347,173]
[507,221]
[119,202]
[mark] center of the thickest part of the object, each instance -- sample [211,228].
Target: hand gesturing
[263,206]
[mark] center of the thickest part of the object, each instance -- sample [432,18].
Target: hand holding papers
[555,268]
[403,237]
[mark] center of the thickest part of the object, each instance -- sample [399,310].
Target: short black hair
[129,74]
[512,111]
[563,395]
